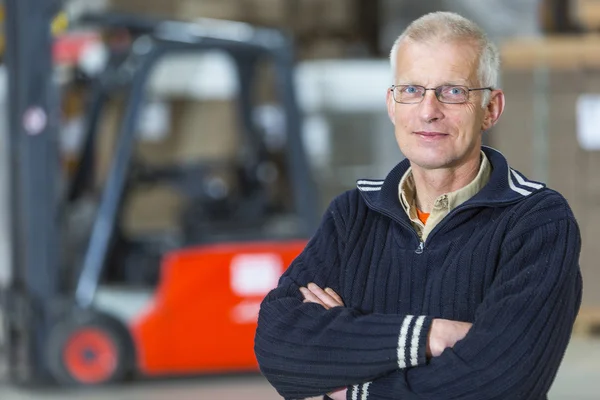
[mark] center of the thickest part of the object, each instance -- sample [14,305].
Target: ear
[494,109]
[391,106]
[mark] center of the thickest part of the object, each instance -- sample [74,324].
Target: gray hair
[449,26]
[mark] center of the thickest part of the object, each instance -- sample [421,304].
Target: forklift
[235,240]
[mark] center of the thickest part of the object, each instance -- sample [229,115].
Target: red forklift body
[204,313]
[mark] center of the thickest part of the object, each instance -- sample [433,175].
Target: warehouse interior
[134,131]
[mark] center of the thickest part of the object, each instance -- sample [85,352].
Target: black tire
[90,349]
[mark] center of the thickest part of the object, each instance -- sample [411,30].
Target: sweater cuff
[412,341]
[358,392]
[412,348]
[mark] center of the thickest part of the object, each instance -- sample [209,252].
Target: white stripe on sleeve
[355,389]
[365,391]
[402,341]
[414,345]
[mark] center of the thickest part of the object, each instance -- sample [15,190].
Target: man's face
[435,135]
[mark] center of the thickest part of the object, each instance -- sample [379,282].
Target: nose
[431,108]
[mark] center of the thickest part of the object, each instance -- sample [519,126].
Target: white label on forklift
[245,312]
[588,121]
[255,274]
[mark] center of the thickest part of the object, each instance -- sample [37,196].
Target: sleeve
[305,350]
[520,332]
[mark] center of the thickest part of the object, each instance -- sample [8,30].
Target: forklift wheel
[90,349]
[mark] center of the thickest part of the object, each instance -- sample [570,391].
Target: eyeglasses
[450,94]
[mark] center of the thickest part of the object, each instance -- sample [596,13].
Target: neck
[431,184]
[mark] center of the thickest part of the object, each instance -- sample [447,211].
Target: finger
[310,297]
[464,328]
[323,296]
[336,296]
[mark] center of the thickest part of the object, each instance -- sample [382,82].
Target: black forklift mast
[246,45]
[33,110]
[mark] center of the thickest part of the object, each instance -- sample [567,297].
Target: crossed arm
[443,334]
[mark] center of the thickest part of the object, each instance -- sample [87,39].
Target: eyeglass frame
[437,93]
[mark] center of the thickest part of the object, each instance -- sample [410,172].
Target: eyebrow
[447,83]
[456,83]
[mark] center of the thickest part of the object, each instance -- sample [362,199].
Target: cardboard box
[260,12]
[274,13]
[538,134]
[218,9]
[200,130]
[157,8]
[587,14]
[152,209]
[317,17]
[109,125]
[557,52]
[323,48]
[321,29]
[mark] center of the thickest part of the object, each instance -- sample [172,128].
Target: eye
[455,91]
[411,89]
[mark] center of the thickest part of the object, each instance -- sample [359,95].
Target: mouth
[431,135]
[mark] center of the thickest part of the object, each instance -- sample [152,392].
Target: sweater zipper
[421,248]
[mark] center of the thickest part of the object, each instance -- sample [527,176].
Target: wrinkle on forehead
[434,62]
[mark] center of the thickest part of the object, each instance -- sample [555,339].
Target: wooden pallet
[587,322]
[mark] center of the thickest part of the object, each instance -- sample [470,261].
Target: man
[455,277]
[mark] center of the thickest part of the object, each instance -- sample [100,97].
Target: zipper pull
[419,249]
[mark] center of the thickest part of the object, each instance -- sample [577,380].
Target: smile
[431,136]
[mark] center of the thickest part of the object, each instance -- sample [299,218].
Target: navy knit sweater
[506,260]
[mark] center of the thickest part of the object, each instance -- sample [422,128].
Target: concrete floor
[578,379]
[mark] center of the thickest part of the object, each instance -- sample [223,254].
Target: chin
[429,159]
[429,164]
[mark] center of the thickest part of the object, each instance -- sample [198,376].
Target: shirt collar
[506,186]
[447,201]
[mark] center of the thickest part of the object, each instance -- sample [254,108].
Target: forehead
[437,62]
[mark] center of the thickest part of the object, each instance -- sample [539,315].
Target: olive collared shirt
[443,204]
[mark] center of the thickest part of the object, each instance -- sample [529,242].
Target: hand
[338,394]
[445,333]
[328,298]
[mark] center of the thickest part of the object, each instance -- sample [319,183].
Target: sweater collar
[506,185]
